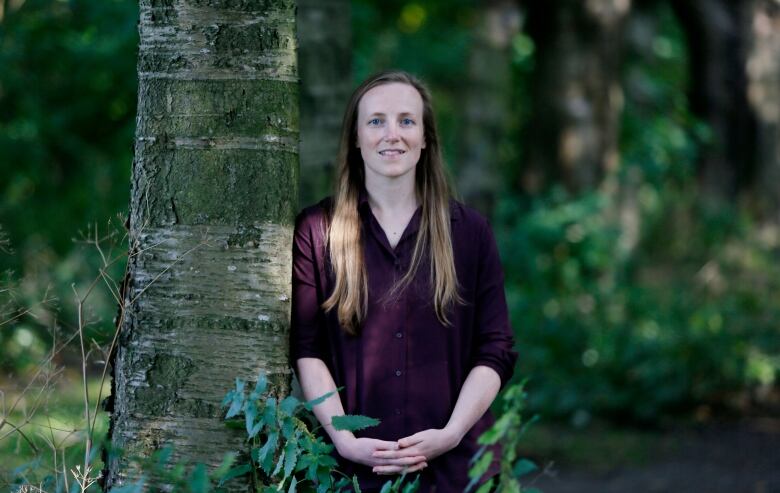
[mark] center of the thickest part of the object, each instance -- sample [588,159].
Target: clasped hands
[408,454]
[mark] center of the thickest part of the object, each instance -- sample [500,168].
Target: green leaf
[293,485]
[343,483]
[328,461]
[279,464]
[355,484]
[386,487]
[413,486]
[309,405]
[260,386]
[486,487]
[265,455]
[234,473]
[291,451]
[288,427]
[163,455]
[250,413]
[523,466]
[479,468]
[498,430]
[269,413]
[353,422]
[323,474]
[256,429]
[199,480]
[224,467]
[289,404]
[237,399]
[477,455]
[305,461]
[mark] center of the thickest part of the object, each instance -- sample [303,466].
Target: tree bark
[763,72]
[214,194]
[577,94]
[487,102]
[717,92]
[325,59]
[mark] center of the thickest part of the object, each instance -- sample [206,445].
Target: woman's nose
[391,132]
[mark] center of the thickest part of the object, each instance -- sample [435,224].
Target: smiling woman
[388,133]
[398,298]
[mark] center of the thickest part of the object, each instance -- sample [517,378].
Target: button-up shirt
[404,367]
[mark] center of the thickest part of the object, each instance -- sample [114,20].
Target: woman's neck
[391,197]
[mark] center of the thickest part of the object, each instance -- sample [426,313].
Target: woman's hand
[363,450]
[427,443]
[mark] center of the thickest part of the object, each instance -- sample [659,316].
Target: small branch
[84,375]
[18,430]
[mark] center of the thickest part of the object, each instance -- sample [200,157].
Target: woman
[398,298]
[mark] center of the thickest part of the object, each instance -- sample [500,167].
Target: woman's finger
[409,441]
[402,461]
[399,469]
[395,454]
[385,445]
[418,467]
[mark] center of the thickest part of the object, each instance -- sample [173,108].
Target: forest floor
[735,457]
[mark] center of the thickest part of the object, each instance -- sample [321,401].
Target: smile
[391,152]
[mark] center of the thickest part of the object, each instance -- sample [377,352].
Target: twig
[18,430]
[84,376]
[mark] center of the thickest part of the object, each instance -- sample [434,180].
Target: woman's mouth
[391,152]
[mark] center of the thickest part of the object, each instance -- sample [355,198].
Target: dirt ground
[733,458]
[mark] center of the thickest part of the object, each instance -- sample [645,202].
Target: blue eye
[407,121]
[374,121]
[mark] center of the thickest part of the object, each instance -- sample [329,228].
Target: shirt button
[399,335]
[398,373]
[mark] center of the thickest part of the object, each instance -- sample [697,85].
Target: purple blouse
[405,368]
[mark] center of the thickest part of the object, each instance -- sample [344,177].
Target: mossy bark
[214,194]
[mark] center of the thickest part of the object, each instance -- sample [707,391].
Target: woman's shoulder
[311,226]
[315,214]
[467,218]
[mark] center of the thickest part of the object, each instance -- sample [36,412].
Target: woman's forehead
[395,97]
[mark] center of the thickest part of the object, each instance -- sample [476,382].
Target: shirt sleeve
[494,339]
[307,332]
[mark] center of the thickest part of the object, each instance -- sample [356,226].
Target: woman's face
[390,131]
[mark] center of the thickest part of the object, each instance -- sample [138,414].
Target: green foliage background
[683,323]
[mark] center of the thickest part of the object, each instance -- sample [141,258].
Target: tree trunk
[324,56]
[717,92]
[576,92]
[214,193]
[763,71]
[487,103]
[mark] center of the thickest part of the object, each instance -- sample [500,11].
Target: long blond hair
[350,295]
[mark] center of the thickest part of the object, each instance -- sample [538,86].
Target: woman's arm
[316,380]
[478,392]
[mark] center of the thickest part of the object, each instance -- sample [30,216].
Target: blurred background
[626,152]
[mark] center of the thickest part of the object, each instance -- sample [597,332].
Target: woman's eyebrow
[403,113]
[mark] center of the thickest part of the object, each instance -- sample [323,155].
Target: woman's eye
[407,121]
[374,121]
